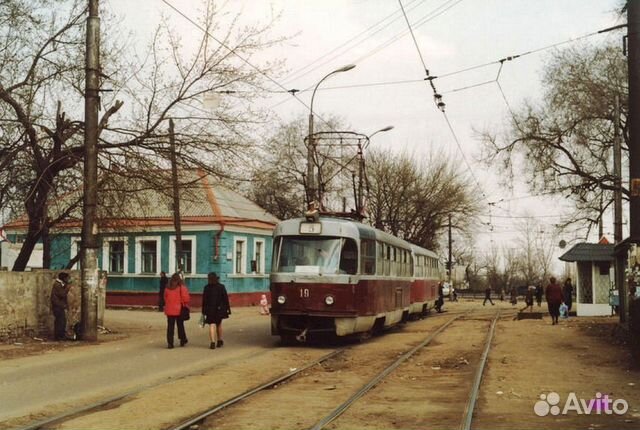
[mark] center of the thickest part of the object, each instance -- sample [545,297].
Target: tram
[339,276]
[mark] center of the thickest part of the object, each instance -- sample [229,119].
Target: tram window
[380,260]
[349,257]
[387,262]
[368,250]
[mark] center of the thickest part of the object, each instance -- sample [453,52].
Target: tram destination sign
[310,228]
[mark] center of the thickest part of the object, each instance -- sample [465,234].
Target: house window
[257,265]
[185,257]
[116,256]
[149,252]
[239,252]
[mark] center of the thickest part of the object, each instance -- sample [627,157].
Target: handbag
[184,313]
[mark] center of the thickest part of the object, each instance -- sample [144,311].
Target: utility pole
[617,213]
[617,171]
[633,61]
[449,263]
[311,188]
[89,310]
[176,197]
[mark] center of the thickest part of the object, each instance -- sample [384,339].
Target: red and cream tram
[340,276]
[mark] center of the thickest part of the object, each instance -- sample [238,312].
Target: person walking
[59,305]
[514,296]
[554,297]
[528,299]
[440,300]
[215,308]
[539,294]
[176,295]
[487,296]
[567,293]
[164,280]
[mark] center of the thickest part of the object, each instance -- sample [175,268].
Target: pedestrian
[528,299]
[440,301]
[567,293]
[454,295]
[514,296]
[554,297]
[164,280]
[59,305]
[502,294]
[264,305]
[215,308]
[487,296]
[176,296]
[539,294]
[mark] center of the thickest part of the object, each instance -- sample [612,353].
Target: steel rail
[473,396]
[375,381]
[252,391]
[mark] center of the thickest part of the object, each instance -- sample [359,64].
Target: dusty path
[529,358]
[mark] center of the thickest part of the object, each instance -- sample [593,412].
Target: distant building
[222,232]
[594,266]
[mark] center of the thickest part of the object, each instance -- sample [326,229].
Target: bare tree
[40,88]
[564,143]
[413,199]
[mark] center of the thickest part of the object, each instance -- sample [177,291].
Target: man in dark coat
[59,305]
[487,296]
[554,297]
[215,308]
[164,281]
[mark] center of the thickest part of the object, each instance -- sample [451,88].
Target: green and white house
[222,232]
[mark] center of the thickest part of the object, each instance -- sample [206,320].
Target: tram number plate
[310,228]
[304,293]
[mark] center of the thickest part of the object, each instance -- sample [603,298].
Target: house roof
[589,252]
[137,204]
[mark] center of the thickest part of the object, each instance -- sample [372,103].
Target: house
[594,267]
[221,231]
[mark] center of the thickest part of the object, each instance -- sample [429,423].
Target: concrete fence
[25,309]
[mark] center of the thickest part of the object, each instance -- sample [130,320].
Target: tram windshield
[325,255]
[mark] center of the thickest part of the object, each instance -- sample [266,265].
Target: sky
[387,85]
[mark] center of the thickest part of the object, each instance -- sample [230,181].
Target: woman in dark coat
[554,297]
[567,292]
[215,308]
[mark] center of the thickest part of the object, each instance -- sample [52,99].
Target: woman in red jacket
[176,295]
[554,297]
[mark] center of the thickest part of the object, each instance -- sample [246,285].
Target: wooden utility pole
[89,247]
[633,61]
[617,171]
[176,196]
[449,263]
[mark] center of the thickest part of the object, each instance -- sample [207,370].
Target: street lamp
[361,148]
[310,148]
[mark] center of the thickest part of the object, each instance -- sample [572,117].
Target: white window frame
[140,239]
[106,257]
[172,254]
[262,256]
[73,250]
[243,263]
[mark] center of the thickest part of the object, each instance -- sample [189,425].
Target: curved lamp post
[311,145]
[361,148]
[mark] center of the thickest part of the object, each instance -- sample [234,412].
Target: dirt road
[529,358]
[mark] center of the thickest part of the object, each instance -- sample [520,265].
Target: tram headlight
[282,300]
[329,300]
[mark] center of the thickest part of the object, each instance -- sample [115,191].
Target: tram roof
[342,227]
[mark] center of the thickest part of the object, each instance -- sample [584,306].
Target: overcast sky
[452,35]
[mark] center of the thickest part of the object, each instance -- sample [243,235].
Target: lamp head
[345,68]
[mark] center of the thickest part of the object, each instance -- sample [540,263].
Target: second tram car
[339,276]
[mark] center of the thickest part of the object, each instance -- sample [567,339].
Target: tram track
[331,419]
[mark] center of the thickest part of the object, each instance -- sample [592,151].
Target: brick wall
[25,304]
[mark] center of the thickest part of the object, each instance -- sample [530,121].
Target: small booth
[594,280]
